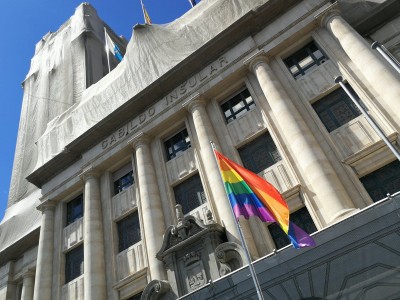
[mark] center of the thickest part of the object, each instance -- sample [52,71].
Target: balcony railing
[73,290]
[124,201]
[73,234]
[131,260]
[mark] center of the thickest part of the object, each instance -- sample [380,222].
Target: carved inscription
[194,81]
[128,128]
[171,98]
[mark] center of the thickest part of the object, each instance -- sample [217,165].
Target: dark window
[19,291]
[73,264]
[136,297]
[237,106]
[383,181]
[336,109]
[301,218]
[128,231]
[190,194]
[259,154]
[305,60]
[177,144]
[123,183]
[74,209]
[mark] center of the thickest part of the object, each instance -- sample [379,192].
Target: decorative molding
[89,172]
[230,256]
[130,278]
[191,258]
[29,273]
[188,252]
[257,58]
[158,290]
[141,139]
[324,16]
[46,205]
[174,235]
[196,101]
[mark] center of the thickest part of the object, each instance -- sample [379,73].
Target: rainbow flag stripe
[250,195]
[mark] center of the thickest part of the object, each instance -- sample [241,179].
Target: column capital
[257,58]
[46,205]
[89,173]
[197,100]
[28,273]
[324,16]
[139,140]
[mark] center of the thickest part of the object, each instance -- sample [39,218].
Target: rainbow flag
[250,195]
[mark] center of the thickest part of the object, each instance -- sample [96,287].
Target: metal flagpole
[144,16]
[107,50]
[246,250]
[390,59]
[375,126]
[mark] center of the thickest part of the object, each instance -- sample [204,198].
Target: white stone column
[329,193]
[205,133]
[381,76]
[150,203]
[44,267]
[93,241]
[28,285]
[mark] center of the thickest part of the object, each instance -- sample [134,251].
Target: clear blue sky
[23,23]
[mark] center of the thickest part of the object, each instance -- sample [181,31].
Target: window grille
[128,231]
[237,106]
[259,154]
[177,144]
[336,109]
[301,218]
[136,297]
[383,181]
[190,194]
[123,182]
[73,264]
[74,210]
[305,60]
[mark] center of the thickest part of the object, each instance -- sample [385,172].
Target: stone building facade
[123,198]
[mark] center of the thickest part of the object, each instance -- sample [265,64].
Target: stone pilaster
[378,72]
[44,268]
[93,243]
[150,203]
[329,193]
[28,285]
[205,133]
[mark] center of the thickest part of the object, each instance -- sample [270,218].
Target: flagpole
[243,241]
[374,125]
[107,50]
[386,55]
[144,16]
